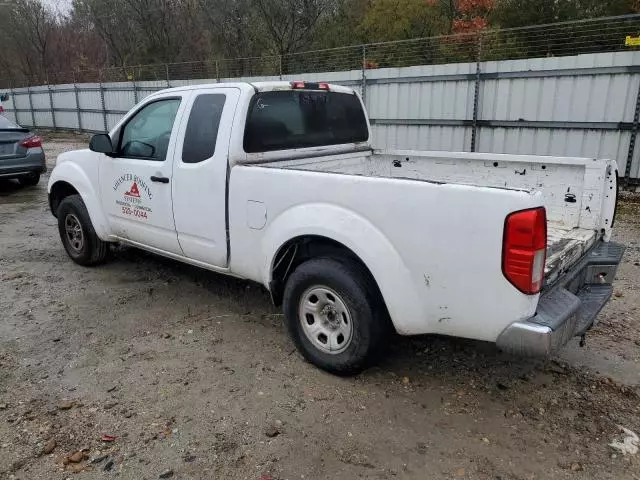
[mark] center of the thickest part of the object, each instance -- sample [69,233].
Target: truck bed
[565,246]
[575,190]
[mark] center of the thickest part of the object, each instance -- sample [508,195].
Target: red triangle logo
[133,191]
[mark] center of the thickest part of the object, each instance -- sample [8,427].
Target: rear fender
[355,232]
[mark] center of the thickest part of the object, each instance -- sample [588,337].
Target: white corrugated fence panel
[420,137]
[11,115]
[411,95]
[67,120]
[121,100]
[63,100]
[112,120]
[545,141]
[43,119]
[40,99]
[92,122]
[584,98]
[20,101]
[635,163]
[89,99]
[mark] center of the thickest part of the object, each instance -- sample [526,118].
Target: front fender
[78,178]
[359,235]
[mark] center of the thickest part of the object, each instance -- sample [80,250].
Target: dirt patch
[145,367]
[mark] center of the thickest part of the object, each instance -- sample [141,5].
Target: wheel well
[300,249]
[59,191]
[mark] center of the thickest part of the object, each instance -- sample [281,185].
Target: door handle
[159,179]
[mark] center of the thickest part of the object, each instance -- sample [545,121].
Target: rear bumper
[33,162]
[568,308]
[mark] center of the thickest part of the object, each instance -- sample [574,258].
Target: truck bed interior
[572,188]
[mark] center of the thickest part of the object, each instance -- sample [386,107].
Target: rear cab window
[290,119]
[202,129]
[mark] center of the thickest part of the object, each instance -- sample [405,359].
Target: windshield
[6,124]
[290,119]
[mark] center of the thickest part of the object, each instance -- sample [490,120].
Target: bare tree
[290,24]
[231,27]
[29,29]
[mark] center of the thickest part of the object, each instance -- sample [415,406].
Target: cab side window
[146,135]
[202,128]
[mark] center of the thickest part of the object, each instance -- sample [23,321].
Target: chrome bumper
[567,308]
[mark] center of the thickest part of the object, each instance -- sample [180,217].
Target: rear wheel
[77,233]
[335,315]
[29,180]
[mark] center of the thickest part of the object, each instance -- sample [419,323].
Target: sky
[60,6]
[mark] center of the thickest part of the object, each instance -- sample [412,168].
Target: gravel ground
[146,368]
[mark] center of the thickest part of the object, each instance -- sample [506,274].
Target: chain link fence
[551,40]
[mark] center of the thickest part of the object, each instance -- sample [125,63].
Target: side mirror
[101,143]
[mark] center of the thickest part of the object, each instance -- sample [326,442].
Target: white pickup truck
[278,183]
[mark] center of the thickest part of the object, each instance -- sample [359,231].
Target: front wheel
[77,233]
[335,315]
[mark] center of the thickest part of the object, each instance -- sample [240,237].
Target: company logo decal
[136,200]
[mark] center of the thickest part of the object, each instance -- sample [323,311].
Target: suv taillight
[32,142]
[524,249]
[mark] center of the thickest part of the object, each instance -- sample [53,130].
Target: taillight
[524,249]
[31,142]
[1,109]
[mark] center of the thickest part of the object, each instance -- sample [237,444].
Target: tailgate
[580,213]
[565,247]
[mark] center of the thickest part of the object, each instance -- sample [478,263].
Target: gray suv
[21,154]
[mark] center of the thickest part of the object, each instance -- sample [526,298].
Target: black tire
[91,250]
[29,180]
[357,290]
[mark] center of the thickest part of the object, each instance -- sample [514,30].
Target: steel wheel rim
[325,320]
[73,230]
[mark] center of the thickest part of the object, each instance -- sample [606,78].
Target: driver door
[136,183]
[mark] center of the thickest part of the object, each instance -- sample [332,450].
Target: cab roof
[254,86]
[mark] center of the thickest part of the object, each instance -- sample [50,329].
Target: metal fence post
[104,110]
[13,102]
[363,89]
[51,106]
[75,91]
[217,72]
[135,87]
[632,140]
[476,97]
[166,71]
[280,66]
[33,116]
